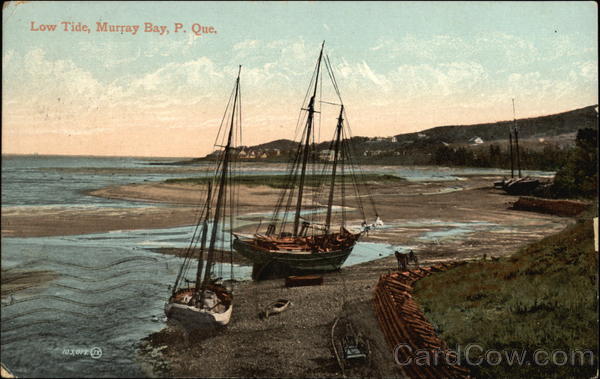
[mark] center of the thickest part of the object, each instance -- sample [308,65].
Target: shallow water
[55,180]
[109,294]
[111,288]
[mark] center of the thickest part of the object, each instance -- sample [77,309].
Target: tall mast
[221,193]
[512,159]
[516,138]
[309,123]
[203,240]
[338,135]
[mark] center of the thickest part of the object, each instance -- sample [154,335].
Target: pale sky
[401,67]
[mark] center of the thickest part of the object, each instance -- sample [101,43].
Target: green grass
[279,181]
[542,297]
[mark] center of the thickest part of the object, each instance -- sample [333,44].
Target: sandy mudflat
[40,222]
[459,201]
[297,342]
[14,280]
[168,205]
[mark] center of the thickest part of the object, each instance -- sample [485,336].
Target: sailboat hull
[216,311]
[288,262]
[194,318]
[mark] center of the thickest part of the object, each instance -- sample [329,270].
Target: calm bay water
[111,288]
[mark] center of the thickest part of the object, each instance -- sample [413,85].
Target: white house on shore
[327,155]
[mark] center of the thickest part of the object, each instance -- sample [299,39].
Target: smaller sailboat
[207,301]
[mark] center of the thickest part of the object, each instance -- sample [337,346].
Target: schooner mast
[516,131]
[222,184]
[306,152]
[338,136]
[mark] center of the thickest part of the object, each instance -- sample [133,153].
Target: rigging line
[306,154]
[292,191]
[288,183]
[332,77]
[343,186]
[224,115]
[335,84]
[320,108]
[349,146]
[236,192]
[353,151]
[304,102]
[330,103]
[321,179]
[289,180]
[354,180]
[185,265]
[196,236]
[219,198]
[286,212]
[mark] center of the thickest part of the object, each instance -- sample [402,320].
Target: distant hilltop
[534,128]
[542,126]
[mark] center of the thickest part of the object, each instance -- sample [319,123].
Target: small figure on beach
[413,257]
[402,259]
[378,222]
[405,258]
[365,227]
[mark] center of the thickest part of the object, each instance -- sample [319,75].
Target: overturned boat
[307,232]
[206,301]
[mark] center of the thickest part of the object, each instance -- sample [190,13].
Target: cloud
[396,77]
[247,44]
[588,70]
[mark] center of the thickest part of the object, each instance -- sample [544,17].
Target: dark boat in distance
[310,243]
[520,185]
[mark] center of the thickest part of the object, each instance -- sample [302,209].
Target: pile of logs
[407,330]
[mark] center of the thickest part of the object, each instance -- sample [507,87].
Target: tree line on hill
[549,158]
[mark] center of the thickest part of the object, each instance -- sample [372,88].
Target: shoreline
[221,256]
[440,226]
[279,340]
[175,205]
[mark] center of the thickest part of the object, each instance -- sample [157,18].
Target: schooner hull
[296,262]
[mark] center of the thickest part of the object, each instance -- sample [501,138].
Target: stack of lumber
[406,329]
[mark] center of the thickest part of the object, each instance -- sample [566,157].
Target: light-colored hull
[194,318]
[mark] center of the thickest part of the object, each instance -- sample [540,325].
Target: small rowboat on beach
[276,307]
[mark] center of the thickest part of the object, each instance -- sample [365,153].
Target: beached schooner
[520,185]
[207,301]
[303,234]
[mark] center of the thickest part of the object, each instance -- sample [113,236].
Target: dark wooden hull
[521,186]
[282,263]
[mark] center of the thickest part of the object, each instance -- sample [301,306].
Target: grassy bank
[542,297]
[280,181]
